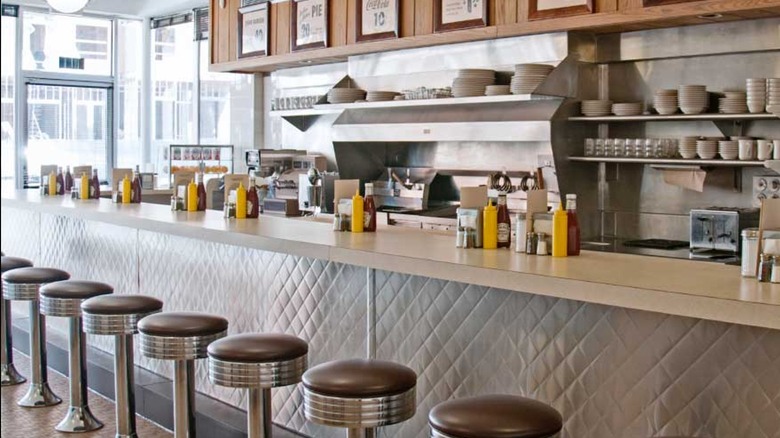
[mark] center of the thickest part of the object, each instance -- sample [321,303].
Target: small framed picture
[377,19]
[459,14]
[309,25]
[253,30]
[541,9]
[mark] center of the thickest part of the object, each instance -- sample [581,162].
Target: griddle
[657,244]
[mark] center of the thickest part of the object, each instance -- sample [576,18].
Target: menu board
[253,30]
[460,14]
[309,24]
[377,19]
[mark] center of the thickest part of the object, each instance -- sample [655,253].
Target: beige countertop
[677,287]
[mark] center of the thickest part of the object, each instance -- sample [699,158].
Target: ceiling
[136,8]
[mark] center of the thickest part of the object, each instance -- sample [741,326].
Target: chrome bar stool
[23,284]
[494,416]
[359,395]
[63,299]
[182,337]
[118,316]
[8,374]
[258,362]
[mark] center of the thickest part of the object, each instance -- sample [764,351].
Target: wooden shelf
[672,161]
[674,117]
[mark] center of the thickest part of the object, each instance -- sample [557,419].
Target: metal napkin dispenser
[719,229]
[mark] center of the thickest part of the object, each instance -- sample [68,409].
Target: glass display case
[212,160]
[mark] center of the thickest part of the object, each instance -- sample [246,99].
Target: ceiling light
[67,6]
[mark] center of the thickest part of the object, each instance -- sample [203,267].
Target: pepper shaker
[765,268]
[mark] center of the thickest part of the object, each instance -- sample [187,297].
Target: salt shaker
[776,270]
[541,245]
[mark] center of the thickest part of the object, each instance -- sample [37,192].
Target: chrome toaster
[718,229]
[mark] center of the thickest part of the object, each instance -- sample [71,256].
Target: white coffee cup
[776,150]
[765,150]
[747,150]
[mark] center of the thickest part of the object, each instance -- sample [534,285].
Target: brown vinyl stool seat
[63,299]
[359,394]
[182,337]
[258,362]
[8,373]
[24,284]
[494,416]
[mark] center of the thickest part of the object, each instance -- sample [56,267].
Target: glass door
[67,125]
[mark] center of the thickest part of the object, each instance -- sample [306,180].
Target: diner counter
[709,291]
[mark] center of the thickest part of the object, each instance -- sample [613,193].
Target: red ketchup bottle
[573,235]
[68,180]
[252,200]
[504,223]
[94,186]
[60,182]
[201,192]
[369,210]
[136,187]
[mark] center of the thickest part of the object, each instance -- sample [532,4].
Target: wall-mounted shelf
[303,118]
[674,117]
[437,102]
[671,161]
[773,164]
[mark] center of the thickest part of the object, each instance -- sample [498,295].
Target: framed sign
[541,9]
[253,30]
[309,25]
[459,14]
[377,19]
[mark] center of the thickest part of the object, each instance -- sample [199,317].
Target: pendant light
[67,6]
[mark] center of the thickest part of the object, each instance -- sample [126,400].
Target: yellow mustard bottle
[241,201]
[357,213]
[126,190]
[84,187]
[192,196]
[490,226]
[52,184]
[560,232]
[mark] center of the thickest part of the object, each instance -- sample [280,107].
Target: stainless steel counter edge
[677,287]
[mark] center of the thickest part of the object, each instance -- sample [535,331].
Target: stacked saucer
[756,95]
[687,147]
[706,149]
[345,95]
[773,95]
[380,96]
[735,102]
[728,149]
[472,82]
[627,109]
[497,90]
[596,108]
[528,76]
[693,99]
[665,102]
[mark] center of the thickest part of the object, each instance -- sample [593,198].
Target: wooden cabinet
[505,18]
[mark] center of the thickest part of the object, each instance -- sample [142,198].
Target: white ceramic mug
[776,151]
[765,148]
[747,150]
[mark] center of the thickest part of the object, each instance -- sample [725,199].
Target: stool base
[126,436]
[79,419]
[39,396]
[361,433]
[9,376]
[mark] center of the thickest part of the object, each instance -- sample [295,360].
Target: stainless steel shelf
[303,112]
[674,117]
[437,102]
[670,161]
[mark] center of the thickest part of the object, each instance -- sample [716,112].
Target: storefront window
[8,99]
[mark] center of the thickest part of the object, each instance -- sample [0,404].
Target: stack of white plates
[728,149]
[627,109]
[706,149]
[756,95]
[528,76]
[345,95]
[497,90]
[693,99]
[596,108]
[380,96]
[665,102]
[687,147]
[735,102]
[472,82]
[773,95]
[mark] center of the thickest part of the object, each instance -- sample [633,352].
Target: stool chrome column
[182,337]
[494,416]
[23,284]
[118,316]
[258,362]
[63,299]
[8,374]
[359,395]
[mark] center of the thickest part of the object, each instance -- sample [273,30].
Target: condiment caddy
[59,183]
